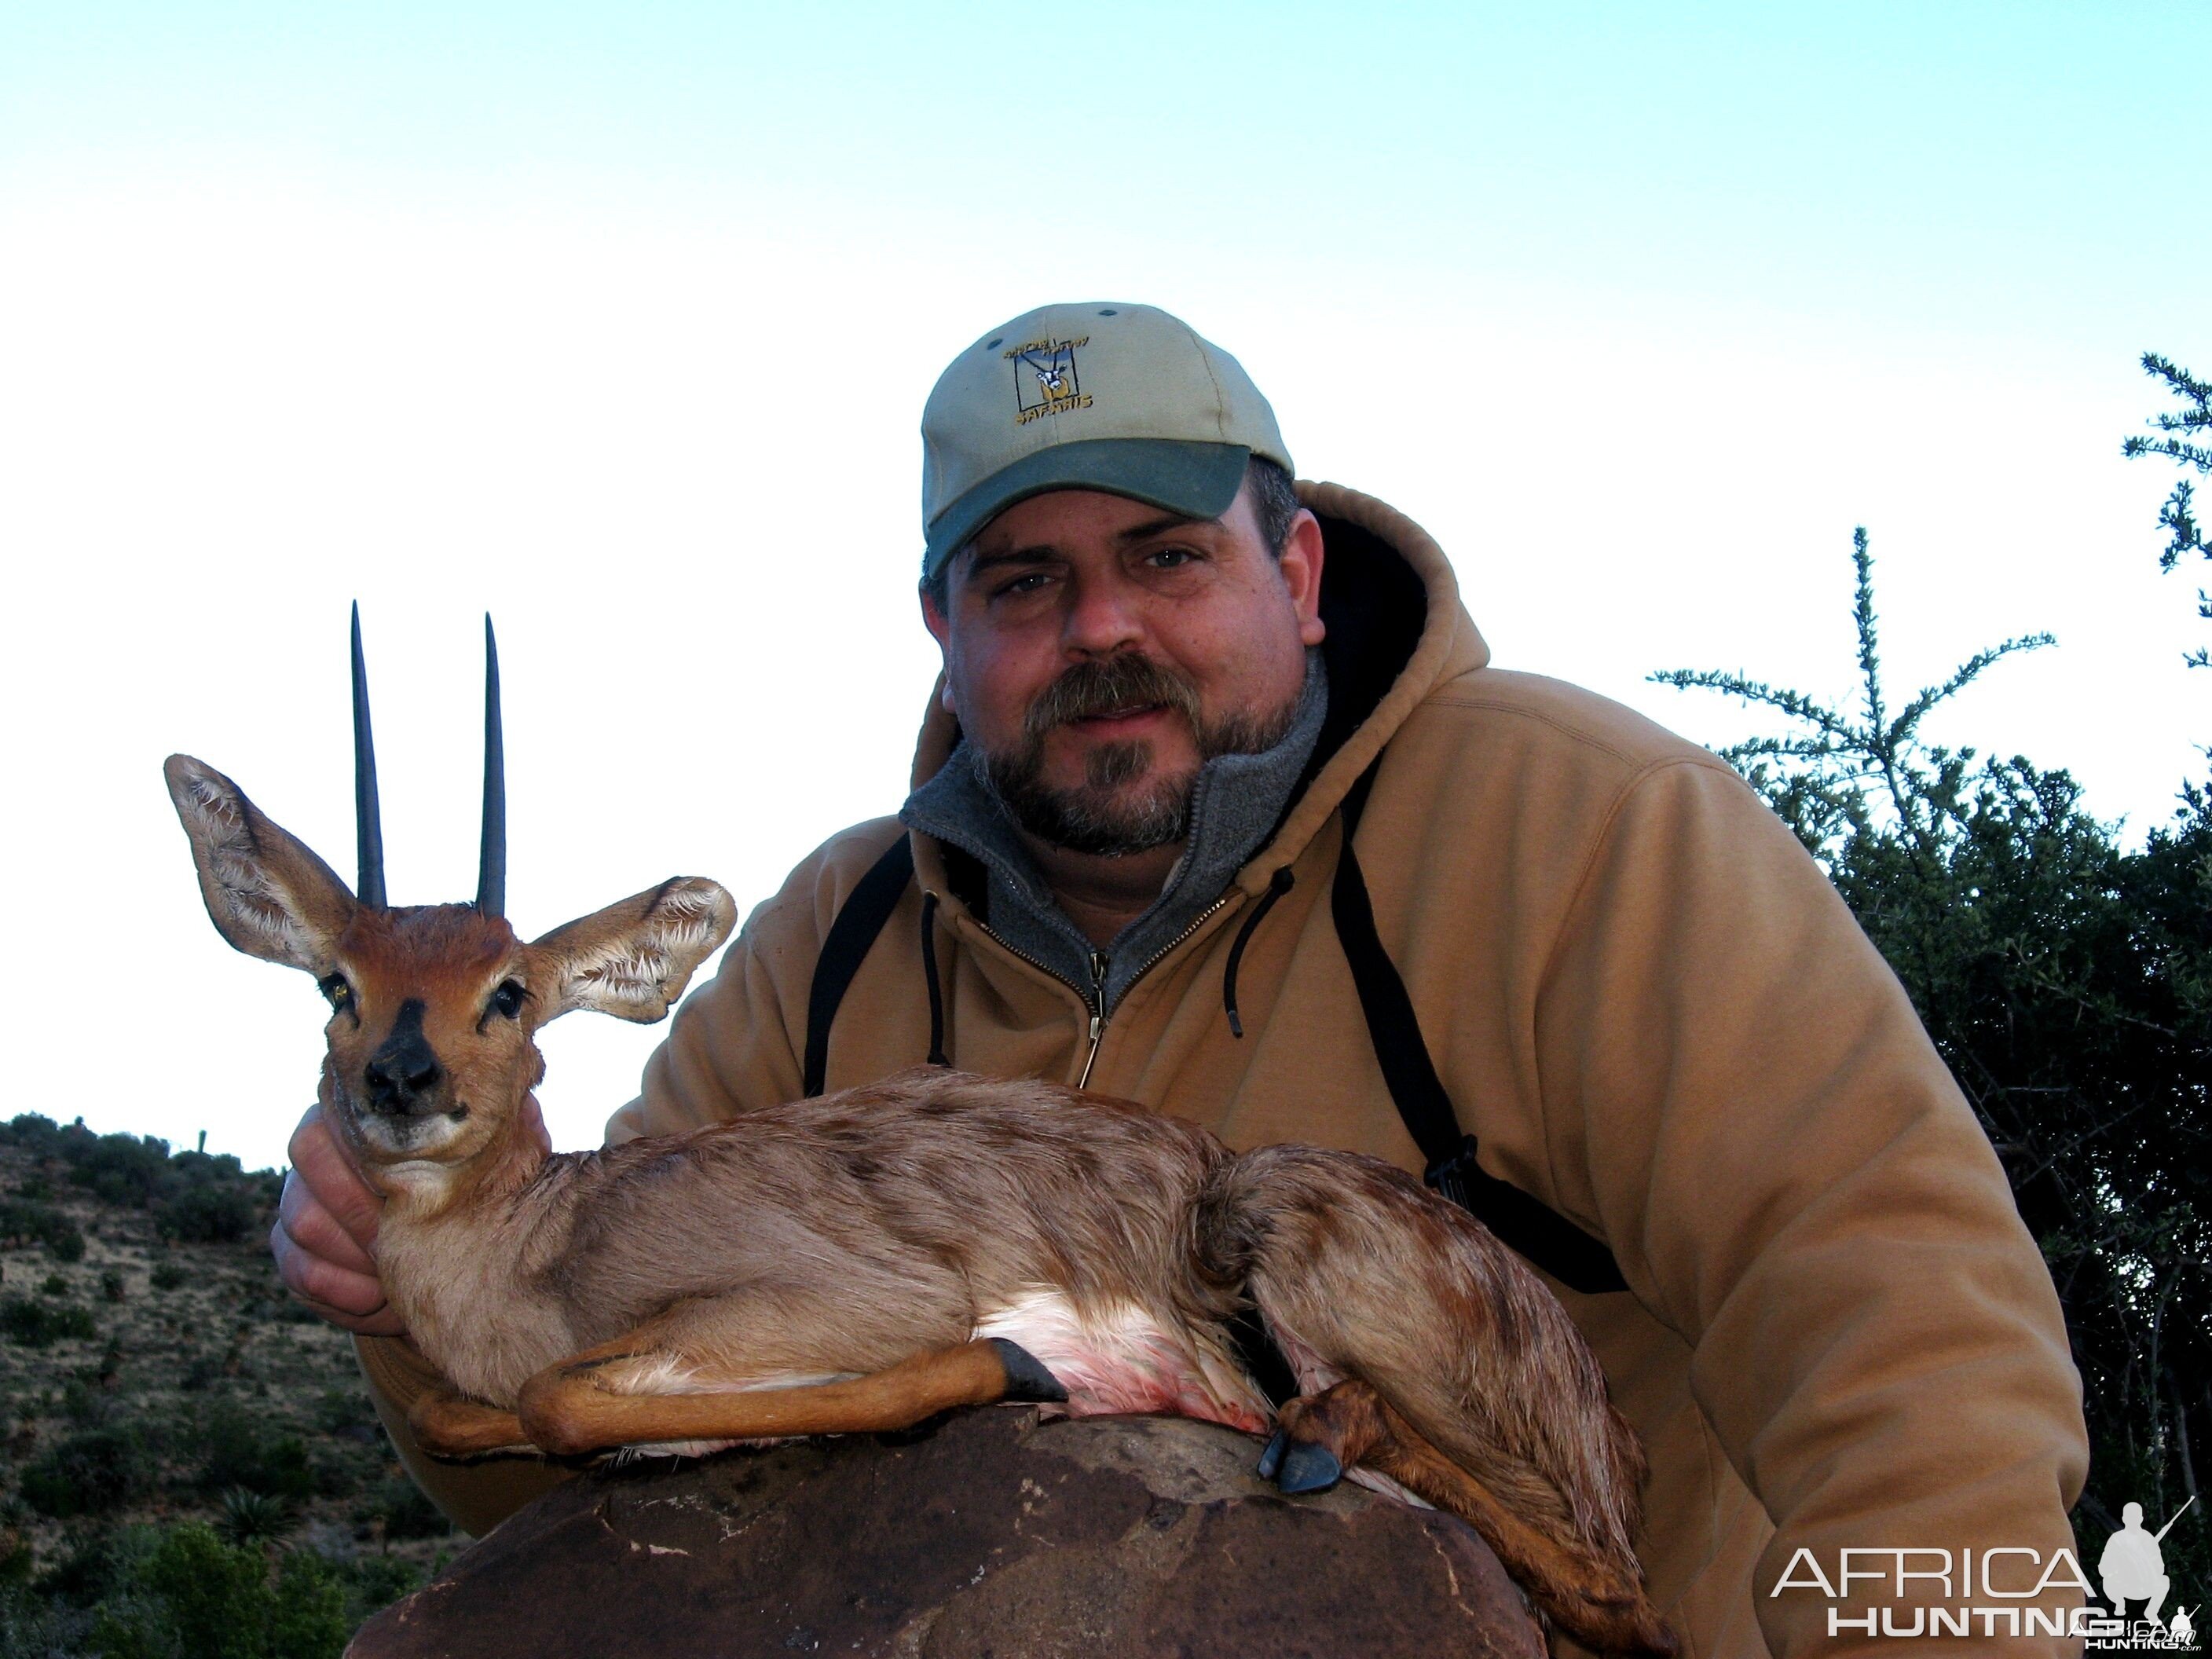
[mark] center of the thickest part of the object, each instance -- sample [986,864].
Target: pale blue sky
[618,321]
[1978,167]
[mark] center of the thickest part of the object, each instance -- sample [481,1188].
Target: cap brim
[1198,479]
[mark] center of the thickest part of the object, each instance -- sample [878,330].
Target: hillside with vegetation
[188,1464]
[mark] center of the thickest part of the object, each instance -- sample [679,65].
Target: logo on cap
[1045,381]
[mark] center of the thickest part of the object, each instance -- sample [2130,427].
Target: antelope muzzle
[402,1078]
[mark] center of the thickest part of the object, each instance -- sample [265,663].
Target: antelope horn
[368,823]
[491,863]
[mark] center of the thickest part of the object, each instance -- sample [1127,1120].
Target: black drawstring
[1277,885]
[929,973]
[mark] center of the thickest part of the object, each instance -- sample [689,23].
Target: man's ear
[265,891]
[634,958]
[940,630]
[1301,564]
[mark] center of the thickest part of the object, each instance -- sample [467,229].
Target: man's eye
[1169,558]
[1020,585]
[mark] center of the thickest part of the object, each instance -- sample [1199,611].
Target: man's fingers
[317,1231]
[326,1233]
[321,1161]
[353,1300]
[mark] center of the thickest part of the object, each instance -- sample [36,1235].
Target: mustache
[1112,686]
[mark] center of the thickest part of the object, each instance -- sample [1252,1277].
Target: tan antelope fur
[863,1260]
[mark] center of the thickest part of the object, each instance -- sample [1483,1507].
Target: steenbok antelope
[863,1260]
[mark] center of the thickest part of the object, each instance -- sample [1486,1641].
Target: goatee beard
[1101,816]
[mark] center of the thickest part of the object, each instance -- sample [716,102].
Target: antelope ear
[266,892]
[634,958]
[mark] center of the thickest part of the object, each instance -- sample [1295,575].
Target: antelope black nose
[403,1072]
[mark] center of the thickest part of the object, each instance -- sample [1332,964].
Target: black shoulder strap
[1538,1232]
[862,917]
[1542,1235]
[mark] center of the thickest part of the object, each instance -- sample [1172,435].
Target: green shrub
[95,1471]
[193,1596]
[121,1170]
[253,1517]
[53,1285]
[241,1449]
[311,1616]
[41,1324]
[202,1374]
[406,1513]
[112,1284]
[166,1276]
[346,1411]
[24,1221]
[380,1580]
[89,1408]
[40,1136]
[213,1601]
[34,1628]
[207,1214]
[191,1195]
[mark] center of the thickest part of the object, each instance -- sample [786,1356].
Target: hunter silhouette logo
[1045,379]
[2133,1569]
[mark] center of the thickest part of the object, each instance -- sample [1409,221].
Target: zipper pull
[1098,1015]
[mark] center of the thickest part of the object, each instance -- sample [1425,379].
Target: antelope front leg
[451,1425]
[625,1393]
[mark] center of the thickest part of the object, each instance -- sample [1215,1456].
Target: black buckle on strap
[1452,1175]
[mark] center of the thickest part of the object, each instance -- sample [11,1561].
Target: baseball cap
[1122,399]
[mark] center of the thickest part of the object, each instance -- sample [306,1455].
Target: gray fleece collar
[1235,804]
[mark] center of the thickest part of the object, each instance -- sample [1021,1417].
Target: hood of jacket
[1396,630]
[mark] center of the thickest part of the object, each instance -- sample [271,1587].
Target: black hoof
[1026,1376]
[1308,1467]
[1271,1458]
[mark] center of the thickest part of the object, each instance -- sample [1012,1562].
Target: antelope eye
[336,988]
[509,999]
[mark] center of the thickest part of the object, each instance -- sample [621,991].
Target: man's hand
[325,1239]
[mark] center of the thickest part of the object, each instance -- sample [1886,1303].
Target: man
[1171,681]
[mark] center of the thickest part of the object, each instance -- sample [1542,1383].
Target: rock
[994,1532]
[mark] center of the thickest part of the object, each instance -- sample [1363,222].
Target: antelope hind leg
[452,1426]
[1321,1435]
[629,1392]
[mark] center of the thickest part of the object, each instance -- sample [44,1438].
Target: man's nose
[1105,614]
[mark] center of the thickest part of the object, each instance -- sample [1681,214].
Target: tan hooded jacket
[1660,1019]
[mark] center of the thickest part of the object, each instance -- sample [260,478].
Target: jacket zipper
[1098,975]
[1098,967]
[1095,998]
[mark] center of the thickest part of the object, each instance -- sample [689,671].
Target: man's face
[1098,651]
